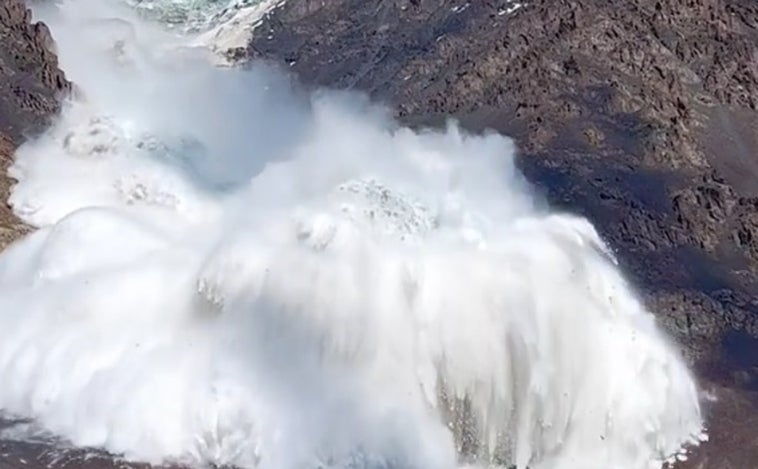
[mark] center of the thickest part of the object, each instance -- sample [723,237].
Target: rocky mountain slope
[641,114]
[30,89]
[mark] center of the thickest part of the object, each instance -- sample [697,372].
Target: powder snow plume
[228,270]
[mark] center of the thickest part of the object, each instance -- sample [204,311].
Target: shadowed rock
[31,85]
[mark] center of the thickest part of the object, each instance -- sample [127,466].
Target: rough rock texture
[640,114]
[30,87]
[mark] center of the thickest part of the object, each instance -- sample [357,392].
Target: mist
[229,270]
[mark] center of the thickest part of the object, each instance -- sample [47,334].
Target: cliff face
[30,89]
[640,114]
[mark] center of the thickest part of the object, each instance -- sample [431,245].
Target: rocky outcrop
[31,85]
[640,114]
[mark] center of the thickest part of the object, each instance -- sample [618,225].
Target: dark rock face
[640,114]
[30,87]
[32,83]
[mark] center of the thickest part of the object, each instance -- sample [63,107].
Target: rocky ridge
[31,85]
